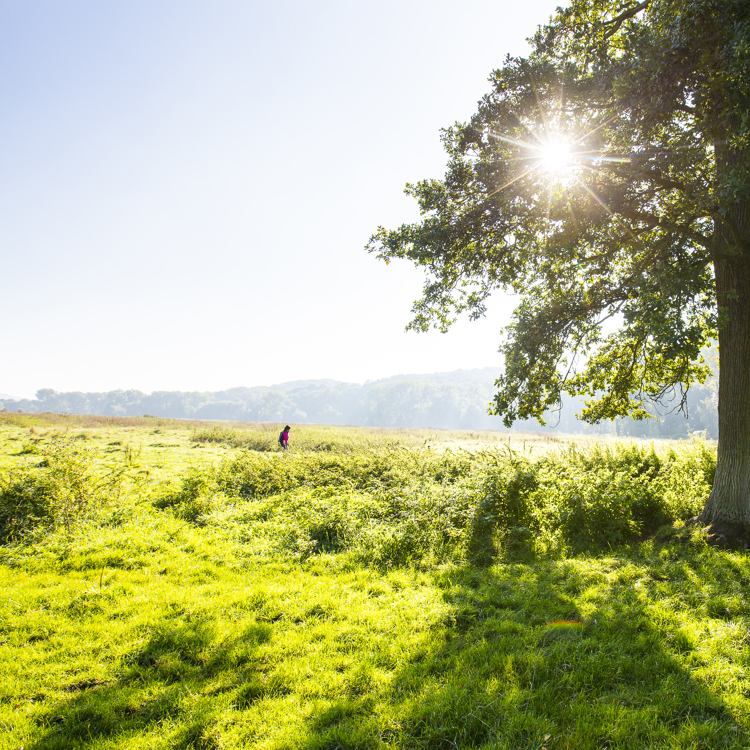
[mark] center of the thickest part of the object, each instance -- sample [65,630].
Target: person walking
[284,438]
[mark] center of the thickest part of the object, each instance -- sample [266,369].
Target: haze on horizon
[188,188]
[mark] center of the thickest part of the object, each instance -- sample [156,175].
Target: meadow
[169,584]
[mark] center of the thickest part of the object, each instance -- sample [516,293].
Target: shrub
[258,475]
[194,498]
[26,502]
[63,490]
[601,497]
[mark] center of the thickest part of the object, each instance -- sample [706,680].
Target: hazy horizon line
[11,397]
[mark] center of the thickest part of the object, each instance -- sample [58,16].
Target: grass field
[176,585]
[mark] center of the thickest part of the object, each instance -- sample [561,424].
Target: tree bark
[727,511]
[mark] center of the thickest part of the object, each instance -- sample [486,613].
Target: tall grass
[316,438]
[396,506]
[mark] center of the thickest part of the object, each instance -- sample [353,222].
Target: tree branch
[654,221]
[624,16]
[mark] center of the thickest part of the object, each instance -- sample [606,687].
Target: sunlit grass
[343,598]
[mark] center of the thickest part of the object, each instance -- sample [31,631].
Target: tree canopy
[602,178]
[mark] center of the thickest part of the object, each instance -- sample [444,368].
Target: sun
[555,157]
[552,156]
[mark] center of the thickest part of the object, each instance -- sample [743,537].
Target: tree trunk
[727,510]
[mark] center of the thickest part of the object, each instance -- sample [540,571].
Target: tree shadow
[174,675]
[559,654]
[581,653]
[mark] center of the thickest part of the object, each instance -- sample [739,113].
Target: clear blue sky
[186,188]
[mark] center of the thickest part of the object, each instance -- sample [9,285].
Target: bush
[63,490]
[596,499]
[196,497]
[26,502]
[255,475]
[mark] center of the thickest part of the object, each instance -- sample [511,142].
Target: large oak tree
[605,177]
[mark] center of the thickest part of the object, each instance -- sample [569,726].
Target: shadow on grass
[587,653]
[171,680]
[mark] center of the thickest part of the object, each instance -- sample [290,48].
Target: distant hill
[449,400]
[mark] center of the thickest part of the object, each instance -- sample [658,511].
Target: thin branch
[596,324]
[654,221]
[624,16]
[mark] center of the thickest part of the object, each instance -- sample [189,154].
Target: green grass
[388,592]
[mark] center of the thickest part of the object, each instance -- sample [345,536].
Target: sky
[187,188]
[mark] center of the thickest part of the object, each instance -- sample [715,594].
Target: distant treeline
[452,400]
